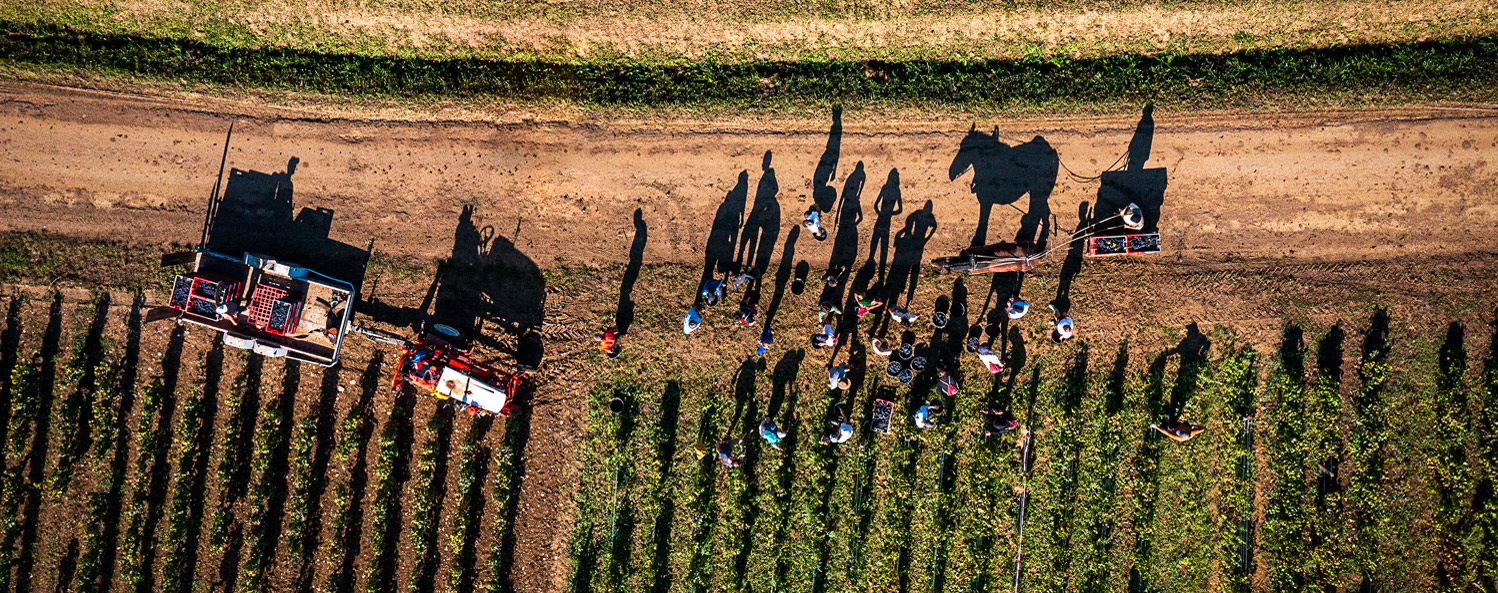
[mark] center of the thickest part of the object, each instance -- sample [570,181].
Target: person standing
[1016,308]
[837,377]
[726,454]
[812,220]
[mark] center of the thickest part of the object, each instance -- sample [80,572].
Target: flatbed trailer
[272,308]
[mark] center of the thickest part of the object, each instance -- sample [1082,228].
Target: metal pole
[1024,498]
[213,198]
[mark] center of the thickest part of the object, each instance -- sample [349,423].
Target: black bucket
[616,406]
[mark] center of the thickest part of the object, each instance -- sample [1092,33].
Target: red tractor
[440,363]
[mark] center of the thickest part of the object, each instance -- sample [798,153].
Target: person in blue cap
[692,321]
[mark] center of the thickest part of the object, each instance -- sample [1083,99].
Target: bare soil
[1319,216]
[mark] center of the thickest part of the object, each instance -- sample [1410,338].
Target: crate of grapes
[1123,245]
[883,411]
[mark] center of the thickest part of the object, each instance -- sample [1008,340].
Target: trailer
[272,308]
[1136,244]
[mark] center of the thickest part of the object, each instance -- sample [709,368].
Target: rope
[1079,234]
[1082,179]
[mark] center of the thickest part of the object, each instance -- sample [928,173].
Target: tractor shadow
[485,282]
[256,212]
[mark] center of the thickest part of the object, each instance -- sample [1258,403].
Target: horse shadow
[1002,174]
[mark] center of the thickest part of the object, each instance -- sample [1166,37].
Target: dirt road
[1223,190]
[1332,186]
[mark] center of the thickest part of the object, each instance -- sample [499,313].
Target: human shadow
[1193,350]
[783,273]
[624,313]
[762,225]
[849,214]
[886,205]
[1135,184]
[822,192]
[256,212]
[1002,174]
[1072,265]
[485,282]
[724,234]
[910,248]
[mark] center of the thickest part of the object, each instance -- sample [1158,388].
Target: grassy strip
[104,428]
[1458,69]
[25,386]
[52,259]
[69,416]
[426,507]
[462,538]
[149,456]
[505,480]
[182,522]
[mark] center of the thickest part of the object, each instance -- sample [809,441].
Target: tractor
[440,362]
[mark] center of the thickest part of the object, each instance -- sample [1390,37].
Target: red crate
[260,304]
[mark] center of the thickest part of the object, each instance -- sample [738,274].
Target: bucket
[616,406]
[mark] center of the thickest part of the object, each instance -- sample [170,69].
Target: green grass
[1463,69]
[1112,505]
[53,259]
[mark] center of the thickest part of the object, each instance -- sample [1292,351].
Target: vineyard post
[1024,497]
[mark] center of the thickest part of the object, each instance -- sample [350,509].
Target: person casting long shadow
[1136,184]
[822,192]
[1072,265]
[762,226]
[624,314]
